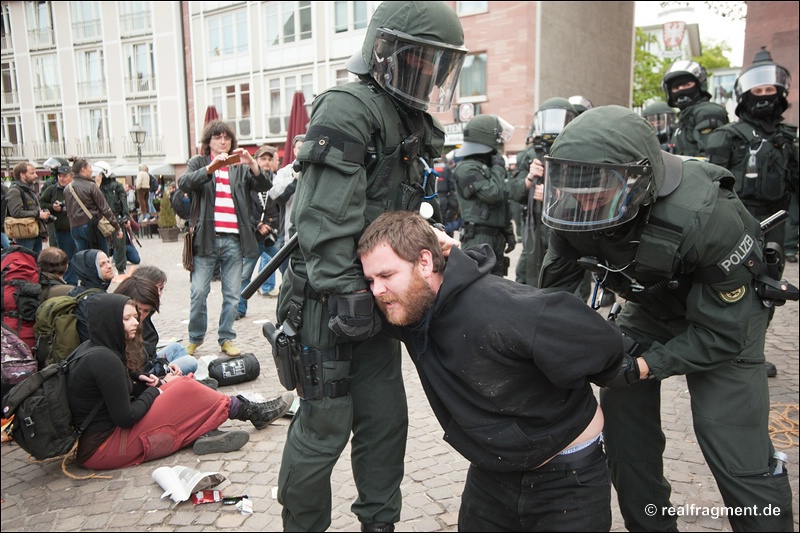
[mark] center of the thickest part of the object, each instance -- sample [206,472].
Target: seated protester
[173,350]
[504,377]
[146,297]
[53,265]
[95,271]
[165,417]
[131,253]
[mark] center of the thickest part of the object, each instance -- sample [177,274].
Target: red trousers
[184,411]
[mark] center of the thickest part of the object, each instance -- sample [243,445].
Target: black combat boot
[377,526]
[262,414]
[772,370]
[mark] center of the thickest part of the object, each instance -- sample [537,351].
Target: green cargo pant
[375,412]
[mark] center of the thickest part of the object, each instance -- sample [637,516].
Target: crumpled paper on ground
[180,482]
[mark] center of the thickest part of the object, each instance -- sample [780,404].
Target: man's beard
[413,303]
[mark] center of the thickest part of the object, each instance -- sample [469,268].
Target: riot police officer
[58,166]
[685,86]
[662,117]
[759,149]
[670,237]
[548,122]
[481,188]
[580,103]
[118,202]
[366,151]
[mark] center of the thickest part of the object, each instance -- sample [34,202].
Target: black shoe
[239,316]
[377,526]
[217,441]
[209,382]
[772,370]
[263,414]
[608,299]
[791,258]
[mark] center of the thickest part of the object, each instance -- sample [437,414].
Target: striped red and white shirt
[224,211]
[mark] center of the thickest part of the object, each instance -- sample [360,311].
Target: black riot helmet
[680,73]
[57,165]
[485,134]
[662,118]
[551,118]
[762,72]
[414,50]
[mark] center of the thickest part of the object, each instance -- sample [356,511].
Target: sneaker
[274,293]
[229,349]
[192,347]
[239,316]
[217,441]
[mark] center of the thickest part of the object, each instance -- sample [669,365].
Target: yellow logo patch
[733,296]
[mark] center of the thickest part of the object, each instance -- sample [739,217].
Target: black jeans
[571,496]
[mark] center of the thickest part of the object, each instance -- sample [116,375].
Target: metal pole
[139,151]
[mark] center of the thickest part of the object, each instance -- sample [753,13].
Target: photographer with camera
[117,200]
[23,202]
[52,199]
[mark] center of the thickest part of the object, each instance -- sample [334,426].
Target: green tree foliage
[713,56]
[648,70]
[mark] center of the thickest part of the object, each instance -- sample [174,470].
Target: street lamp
[138,135]
[8,149]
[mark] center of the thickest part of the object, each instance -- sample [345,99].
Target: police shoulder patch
[734,295]
[738,255]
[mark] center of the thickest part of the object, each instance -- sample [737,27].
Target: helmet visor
[421,73]
[763,75]
[551,121]
[580,196]
[661,122]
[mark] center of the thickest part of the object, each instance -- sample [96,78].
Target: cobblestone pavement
[39,497]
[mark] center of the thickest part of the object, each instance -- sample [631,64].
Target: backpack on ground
[18,362]
[42,424]
[56,328]
[21,291]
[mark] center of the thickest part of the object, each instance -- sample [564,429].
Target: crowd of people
[658,209]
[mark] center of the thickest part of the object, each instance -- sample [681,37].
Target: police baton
[277,260]
[773,221]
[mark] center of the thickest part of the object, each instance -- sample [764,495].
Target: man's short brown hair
[53,260]
[406,233]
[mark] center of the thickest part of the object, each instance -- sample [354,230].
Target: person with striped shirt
[220,181]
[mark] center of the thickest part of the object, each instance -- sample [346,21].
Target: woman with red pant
[163,417]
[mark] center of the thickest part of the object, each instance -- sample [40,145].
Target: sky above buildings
[713,28]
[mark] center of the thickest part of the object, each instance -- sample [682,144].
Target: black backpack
[42,424]
[181,208]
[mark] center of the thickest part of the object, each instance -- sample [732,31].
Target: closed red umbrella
[298,124]
[211,115]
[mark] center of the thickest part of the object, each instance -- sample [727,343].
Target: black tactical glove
[511,243]
[354,316]
[628,370]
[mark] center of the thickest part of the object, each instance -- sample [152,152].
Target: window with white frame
[40,24]
[146,116]
[472,81]
[348,16]
[288,22]
[46,79]
[51,126]
[9,80]
[228,34]
[135,18]
[139,65]
[85,21]
[281,94]
[95,123]
[232,101]
[342,76]
[5,29]
[91,73]
[471,8]
[12,129]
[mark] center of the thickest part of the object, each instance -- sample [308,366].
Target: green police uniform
[693,308]
[367,151]
[517,192]
[484,208]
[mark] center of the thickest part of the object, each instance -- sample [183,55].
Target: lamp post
[138,135]
[8,149]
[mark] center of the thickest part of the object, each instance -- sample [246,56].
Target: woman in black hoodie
[164,417]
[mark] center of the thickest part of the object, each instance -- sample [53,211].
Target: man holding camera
[52,199]
[23,202]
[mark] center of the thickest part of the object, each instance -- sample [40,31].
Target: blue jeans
[80,234]
[4,242]
[67,243]
[176,353]
[229,252]
[249,265]
[34,245]
[132,254]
